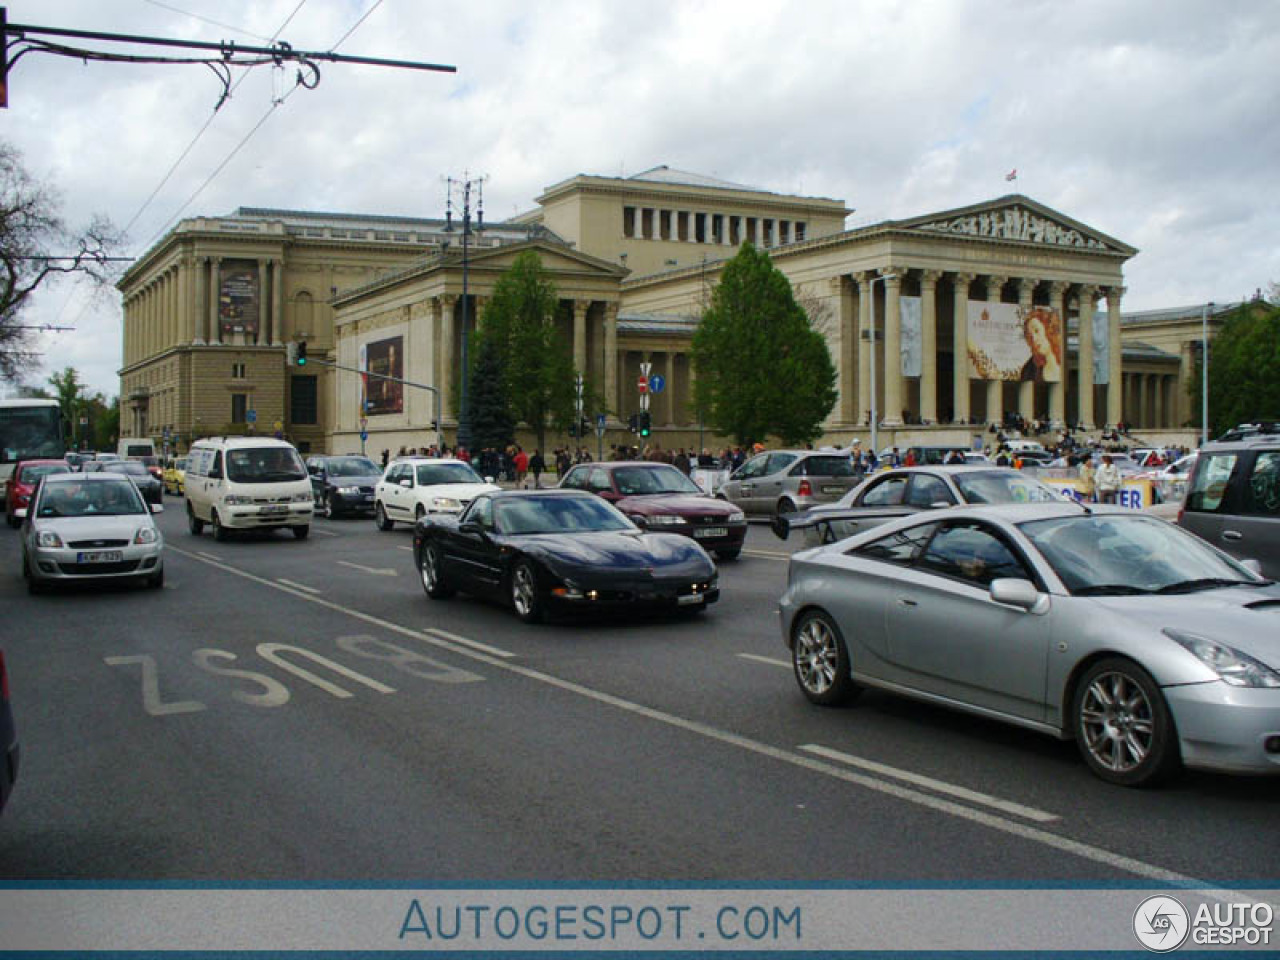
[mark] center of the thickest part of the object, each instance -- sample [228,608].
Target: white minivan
[131,447]
[247,483]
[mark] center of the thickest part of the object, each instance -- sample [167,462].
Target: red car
[18,488]
[662,499]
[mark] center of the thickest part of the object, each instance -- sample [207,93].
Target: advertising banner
[1007,342]
[238,297]
[912,336]
[387,358]
[1101,348]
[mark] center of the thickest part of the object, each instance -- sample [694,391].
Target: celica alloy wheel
[432,573]
[1123,726]
[821,660]
[524,592]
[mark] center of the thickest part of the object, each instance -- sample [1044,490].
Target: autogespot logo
[1161,923]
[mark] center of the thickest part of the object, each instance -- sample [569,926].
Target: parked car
[559,550]
[175,476]
[19,486]
[1114,628]
[658,497]
[343,485]
[1233,498]
[415,487]
[74,459]
[784,481]
[152,489]
[90,526]
[9,751]
[246,483]
[907,490]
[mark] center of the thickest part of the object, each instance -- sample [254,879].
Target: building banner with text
[238,297]
[1007,342]
[385,357]
[912,316]
[1101,348]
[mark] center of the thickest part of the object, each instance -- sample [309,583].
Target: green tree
[520,323]
[36,245]
[68,390]
[492,424]
[1244,368]
[762,368]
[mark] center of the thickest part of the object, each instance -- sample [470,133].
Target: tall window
[239,407]
[303,405]
[237,371]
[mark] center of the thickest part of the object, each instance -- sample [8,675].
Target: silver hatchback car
[1141,642]
[784,481]
[90,526]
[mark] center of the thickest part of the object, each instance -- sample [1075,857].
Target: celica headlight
[47,538]
[663,520]
[146,535]
[448,504]
[1236,668]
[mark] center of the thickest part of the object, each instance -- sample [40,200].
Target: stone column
[866,346]
[611,356]
[929,345]
[447,359]
[1057,391]
[995,388]
[580,308]
[215,330]
[846,357]
[1084,357]
[260,338]
[893,346]
[1115,395]
[1157,414]
[670,389]
[1186,369]
[960,346]
[1027,388]
[277,302]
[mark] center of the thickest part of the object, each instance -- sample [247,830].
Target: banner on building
[239,298]
[1101,348]
[912,314]
[1007,342]
[384,357]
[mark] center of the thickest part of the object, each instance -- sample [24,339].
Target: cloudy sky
[1155,121]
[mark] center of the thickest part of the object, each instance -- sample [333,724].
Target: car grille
[90,544]
[713,520]
[284,499]
[97,569]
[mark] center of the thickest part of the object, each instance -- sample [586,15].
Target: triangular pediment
[556,258]
[1017,219]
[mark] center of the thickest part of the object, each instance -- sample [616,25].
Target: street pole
[1204,372]
[463,187]
[875,413]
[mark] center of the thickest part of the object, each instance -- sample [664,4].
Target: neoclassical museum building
[966,315]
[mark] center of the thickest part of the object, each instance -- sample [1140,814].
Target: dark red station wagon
[663,499]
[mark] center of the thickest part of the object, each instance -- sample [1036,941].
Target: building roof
[1177,314]
[657,324]
[665,174]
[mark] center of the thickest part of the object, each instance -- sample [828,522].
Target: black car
[8,738]
[148,485]
[544,550]
[343,484]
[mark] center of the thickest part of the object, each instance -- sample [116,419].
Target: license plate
[689,599]
[712,532]
[833,489]
[100,556]
[274,508]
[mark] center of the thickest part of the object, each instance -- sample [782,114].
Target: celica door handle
[907,602]
[1232,535]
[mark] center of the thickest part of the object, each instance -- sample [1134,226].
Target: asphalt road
[299,710]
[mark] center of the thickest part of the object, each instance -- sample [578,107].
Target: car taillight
[805,489]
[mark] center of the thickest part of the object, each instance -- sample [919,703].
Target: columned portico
[995,388]
[1027,388]
[1115,385]
[892,416]
[1084,357]
[962,413]
[1058,388]
[929,345]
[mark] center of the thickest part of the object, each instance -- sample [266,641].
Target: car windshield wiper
[1110,590]
[1209,583]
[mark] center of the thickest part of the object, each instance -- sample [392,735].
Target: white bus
[30,428]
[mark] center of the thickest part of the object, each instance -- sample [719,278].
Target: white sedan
[416,486]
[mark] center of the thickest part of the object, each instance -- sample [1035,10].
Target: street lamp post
[875,413]
[1204,372]
[463,188]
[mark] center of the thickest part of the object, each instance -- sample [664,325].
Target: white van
[130,448]
[247,483]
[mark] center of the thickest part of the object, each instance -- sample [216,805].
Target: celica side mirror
[1015,593]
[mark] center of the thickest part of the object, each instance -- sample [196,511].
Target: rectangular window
[1262,494]
[237,371]
[628,221]
[664,224]
[799,231]
[700,227]
[239,407]
[768,233]
[303,404]
[1209,486]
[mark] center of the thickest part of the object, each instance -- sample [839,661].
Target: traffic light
[584,427]
[573,429]
[302,353]
[633,423]
[645,423]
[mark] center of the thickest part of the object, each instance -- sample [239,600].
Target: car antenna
[1084,506]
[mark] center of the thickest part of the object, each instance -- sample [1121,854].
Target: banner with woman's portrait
[912,342]
[387,358]
[1007,342]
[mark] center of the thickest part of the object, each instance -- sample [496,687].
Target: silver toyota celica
[1148,647]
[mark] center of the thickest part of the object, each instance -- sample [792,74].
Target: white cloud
[1152,121]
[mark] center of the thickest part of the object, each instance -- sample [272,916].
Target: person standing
[536,466]
[1108,481]
[1088,479]
[521,461]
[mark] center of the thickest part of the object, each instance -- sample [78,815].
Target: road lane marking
[401,546]
[324,533]
[929,783]
[767,554]
[299,586]
[786,665]
[993,821]
[376,571]
[207,556]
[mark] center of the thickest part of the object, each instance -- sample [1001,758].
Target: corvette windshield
[529,515]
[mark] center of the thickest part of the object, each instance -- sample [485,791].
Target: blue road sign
[364,435]
[656,383]
[251,416]
[600,421]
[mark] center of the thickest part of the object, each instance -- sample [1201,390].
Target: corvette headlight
[47,538]
[146,535]
[1236,668]
[737,516]
[348,491]
[450,504]
[663,520]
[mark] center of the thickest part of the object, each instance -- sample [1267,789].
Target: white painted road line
[756,658]
[929,783]
[473,644]
[992,821]
[207,556]
[767,554]
[403,547]
[324,533]
[298,586]
[376,571]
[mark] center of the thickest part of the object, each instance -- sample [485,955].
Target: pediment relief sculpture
[1015,223]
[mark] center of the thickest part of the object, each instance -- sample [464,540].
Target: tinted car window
[778,462]
[576,478]
[899,547]
[824,467]
[32,474]
[887,493]
[1209,486]
[90,498]
[1002,486]
[971,553]
[636,481]
[752,468]
[264,465]
[1262,492]
[534,515]
[925,489]
[599,481]
[430,474]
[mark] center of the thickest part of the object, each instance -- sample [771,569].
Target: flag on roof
[1012,174]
